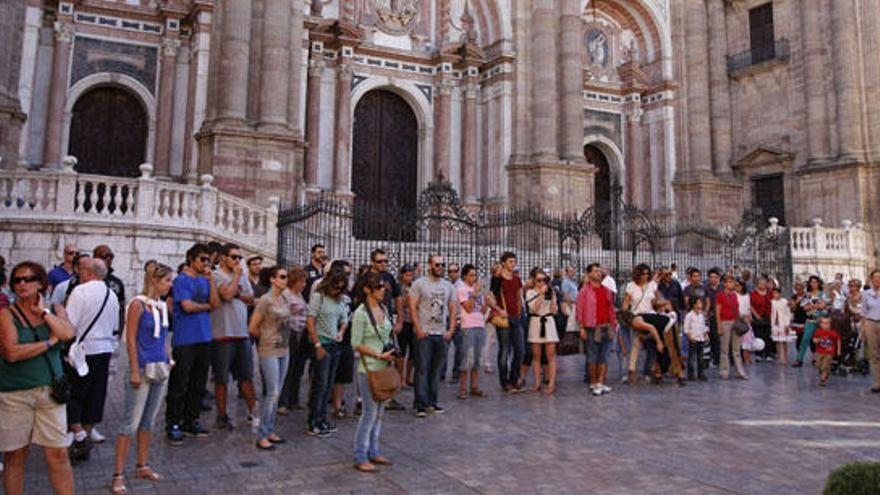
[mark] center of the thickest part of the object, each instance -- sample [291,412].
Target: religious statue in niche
[395,17]
[597,48]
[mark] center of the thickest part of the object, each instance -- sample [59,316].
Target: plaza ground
[779,433]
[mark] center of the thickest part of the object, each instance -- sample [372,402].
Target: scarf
[159,310]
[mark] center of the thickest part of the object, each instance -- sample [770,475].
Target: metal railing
[741,62]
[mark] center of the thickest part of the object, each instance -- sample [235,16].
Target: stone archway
[108,132]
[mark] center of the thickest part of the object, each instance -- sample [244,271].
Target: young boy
[697,334]
[827,346]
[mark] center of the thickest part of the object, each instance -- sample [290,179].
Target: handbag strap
[23,321]
[95,319]
[375,329]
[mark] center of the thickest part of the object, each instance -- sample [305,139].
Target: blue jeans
[809,330]
[273,370]
[473,340]
[141,405]
[366,437]
[597,350]
[323,375]
[511,347]
[432,355]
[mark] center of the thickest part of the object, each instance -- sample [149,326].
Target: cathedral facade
[695,108]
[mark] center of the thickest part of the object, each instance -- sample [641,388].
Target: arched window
[108,132]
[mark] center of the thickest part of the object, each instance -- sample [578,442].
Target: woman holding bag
[146,329]
[371,334]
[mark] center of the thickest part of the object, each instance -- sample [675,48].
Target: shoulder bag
[497,320]
[159,371]
[60,386]
[385,383]
[76,356]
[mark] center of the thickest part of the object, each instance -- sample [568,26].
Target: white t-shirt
[695,326]
[82,307]
[745,305]
[642,301]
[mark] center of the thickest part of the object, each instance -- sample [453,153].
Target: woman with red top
[760,302]
[596,318]
[507,291]
[726,313]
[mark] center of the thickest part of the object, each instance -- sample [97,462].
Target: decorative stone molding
[146,170]
[63,32]
[69,163]
[170,46]
[345,71]
[205,180]
[316,67]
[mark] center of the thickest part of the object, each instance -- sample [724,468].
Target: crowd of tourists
[374,332]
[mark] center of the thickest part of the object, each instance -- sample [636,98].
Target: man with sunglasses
[230,347]
[63,270]
[195,296]
[433,309]
[392,300]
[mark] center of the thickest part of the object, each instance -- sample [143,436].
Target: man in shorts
[230,347]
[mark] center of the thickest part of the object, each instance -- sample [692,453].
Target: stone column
[58,93]
[12,119]
[276,64]
[442,101]
[341,159]
[545,101]
[697,72]
[313,121]
[814,81]
[165,111]
[234,58]
[294,107]
[871,38]
[572,82]
[469,133]
[719,90]
[521,121]
[636,173]
[847,68]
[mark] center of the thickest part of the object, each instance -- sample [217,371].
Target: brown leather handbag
[385,383]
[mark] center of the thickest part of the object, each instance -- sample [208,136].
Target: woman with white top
[541,302]
[780,325]
[639,298]
[744,301]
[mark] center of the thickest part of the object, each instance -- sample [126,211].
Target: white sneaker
[96,436]
[605,388]
[596,391]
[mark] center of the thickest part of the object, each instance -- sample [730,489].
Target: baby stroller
[851,359]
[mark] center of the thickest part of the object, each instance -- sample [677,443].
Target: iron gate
[615,234]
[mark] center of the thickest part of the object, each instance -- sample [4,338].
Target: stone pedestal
[706,197]
[555,187]
[253,165]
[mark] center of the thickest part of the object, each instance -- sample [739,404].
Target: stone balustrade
[826,251]
[65,196]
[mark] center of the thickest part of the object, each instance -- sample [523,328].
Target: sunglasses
[69,253]
[540,280]
[282,276]
[18,280]
[381,262]
[204,259]
[237,257]
[439,265]
[377,287]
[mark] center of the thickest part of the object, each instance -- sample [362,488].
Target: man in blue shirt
[194,295]
[64,270]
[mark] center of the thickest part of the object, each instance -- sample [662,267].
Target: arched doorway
[384,165]
[602,184]
[108,132]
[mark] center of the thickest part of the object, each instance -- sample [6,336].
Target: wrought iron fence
[614,234]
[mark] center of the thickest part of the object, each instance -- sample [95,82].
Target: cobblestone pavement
[759,436]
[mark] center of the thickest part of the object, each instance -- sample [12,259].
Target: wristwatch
[47,311]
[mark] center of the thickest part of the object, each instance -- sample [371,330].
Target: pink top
[473,318]
[587,306]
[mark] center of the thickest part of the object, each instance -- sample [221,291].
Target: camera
[390,347]
[548,296]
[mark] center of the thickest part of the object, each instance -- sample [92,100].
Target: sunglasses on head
[18,280]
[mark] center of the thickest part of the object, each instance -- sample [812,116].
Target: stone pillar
[313,121]
[847,68]
[197,95]
[697,73]
[871,38]
[814,81]
[572,82]
[294,107]
[58,94]
[521,113]
[276,64]
[469,134]
[442,101]
[545,101]
[636,173]
[12,119]
[234,61]
[719,90]
[165,111]
[341,159]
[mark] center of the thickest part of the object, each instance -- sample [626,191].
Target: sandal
[478,392]
[118,484]
[462,394]
[145,472]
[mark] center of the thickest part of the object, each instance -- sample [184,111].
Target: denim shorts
[141,404]
[473,341]
[598,345]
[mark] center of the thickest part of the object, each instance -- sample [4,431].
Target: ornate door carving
[108,133]
[384,159]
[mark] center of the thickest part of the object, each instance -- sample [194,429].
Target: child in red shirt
[827,346]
